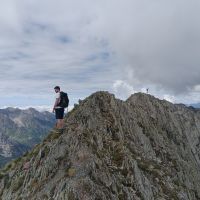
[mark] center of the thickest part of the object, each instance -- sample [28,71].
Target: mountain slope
[20,130]
[25,126]
[143,148]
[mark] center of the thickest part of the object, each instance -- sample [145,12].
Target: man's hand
[53,110]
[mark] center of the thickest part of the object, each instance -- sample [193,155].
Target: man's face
[56,90]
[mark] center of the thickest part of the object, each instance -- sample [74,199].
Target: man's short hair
[57,88]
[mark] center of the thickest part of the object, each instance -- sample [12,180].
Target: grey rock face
[143,148]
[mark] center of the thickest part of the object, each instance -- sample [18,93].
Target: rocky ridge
[142,148]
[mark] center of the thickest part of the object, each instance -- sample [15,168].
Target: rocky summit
[139,149]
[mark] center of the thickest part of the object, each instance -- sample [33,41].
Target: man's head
[57,89]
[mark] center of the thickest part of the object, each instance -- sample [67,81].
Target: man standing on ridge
[60,104]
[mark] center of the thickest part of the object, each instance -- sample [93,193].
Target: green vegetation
[71,172]
[17,183]
[52,136]
[71,195]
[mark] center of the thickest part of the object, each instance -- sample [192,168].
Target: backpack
[64,100]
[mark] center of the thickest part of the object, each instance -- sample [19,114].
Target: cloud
[122,89]
[157,42]
[85,46]
[169,98]
[50,47]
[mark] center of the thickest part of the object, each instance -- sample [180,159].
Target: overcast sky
[122,46]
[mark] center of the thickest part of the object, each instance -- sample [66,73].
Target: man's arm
[56,103]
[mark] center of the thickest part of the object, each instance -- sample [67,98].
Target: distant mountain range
[196,105]
[20,130]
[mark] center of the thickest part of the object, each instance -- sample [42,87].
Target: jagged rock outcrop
[141,148]
[20,130]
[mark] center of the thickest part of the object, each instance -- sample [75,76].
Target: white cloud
[169,98]
[196,88]
[158,41]
[85,46]
[122,89]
